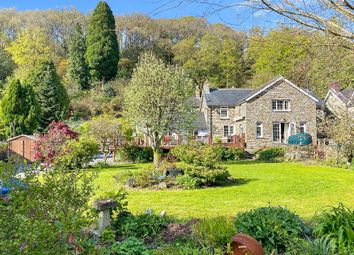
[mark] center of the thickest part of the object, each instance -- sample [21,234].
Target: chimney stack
[206,88]
[197,91]
[335,86]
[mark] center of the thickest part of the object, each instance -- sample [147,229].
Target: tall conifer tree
[78,71]
[19,109]
[102,44]
[51,93]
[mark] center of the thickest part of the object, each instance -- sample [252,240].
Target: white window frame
[241,128]
[229,133]
[259,125]
[294,126]
[279,126]
[302,125]
[283,103]
[223,108]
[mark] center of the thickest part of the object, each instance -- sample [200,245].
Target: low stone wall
[296,152]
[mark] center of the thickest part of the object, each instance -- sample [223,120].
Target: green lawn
[302,188]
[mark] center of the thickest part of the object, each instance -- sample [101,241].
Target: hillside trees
[19,109]
[78,71]
[51,94]
[156,100]
[309,59]
[102,45]
[217,56]
[30,48]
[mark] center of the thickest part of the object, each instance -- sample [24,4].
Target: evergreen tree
[19,109]
[102,44]
[78,69]
[51,94]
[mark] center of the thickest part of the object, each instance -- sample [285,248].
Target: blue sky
[240,17]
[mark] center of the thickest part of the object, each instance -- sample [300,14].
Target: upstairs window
[224,112]
[281,105]
[259,130]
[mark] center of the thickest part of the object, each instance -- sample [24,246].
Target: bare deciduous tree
[335,17]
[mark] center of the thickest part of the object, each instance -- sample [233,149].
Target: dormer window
[281,105]
[224,112]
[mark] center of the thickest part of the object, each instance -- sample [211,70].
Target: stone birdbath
[104,207]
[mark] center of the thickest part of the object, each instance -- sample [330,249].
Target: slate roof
[348,95]
[227,97]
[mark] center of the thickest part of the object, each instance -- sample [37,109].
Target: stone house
[340,102]
[258,118]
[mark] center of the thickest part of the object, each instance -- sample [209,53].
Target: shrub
[136,154]
[77,153]
[228,154]
[276,228]
[215,232]
[44,212]
[312,247]
[271,154]
[130,246]
[207,176]
[336,225]
[197,154]
[187,182]
[146,227]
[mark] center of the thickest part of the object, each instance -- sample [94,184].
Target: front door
[280,132]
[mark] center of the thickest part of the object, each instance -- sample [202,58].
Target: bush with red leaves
[50,145]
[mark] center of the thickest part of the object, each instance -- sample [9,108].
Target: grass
[302,188]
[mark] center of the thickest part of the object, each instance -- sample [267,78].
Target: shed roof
[32,137]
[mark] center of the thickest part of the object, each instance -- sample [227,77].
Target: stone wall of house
[302,109]
[219,123]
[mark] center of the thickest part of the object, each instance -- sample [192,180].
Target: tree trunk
[157,157]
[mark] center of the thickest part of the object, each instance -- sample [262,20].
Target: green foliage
[336,225]
[187,182]
[120,196]
[229,154]
[276,228]
[205,176]
[130,246]
[31,47]
[197,154]
[187,248]
[77,153]
[19,109]
[6,64]
[146,227]
[44,211]
[271,154]
[134,153]
[156,99]
[309,59]
[320,246]
[215,232]
[77,70]
[217,55]
[102,46]
[147,177]
[201,167]
[51,94]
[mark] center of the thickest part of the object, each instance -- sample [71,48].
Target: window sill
[281,110]
[224,118]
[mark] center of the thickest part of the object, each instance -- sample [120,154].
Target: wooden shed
[23,145]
